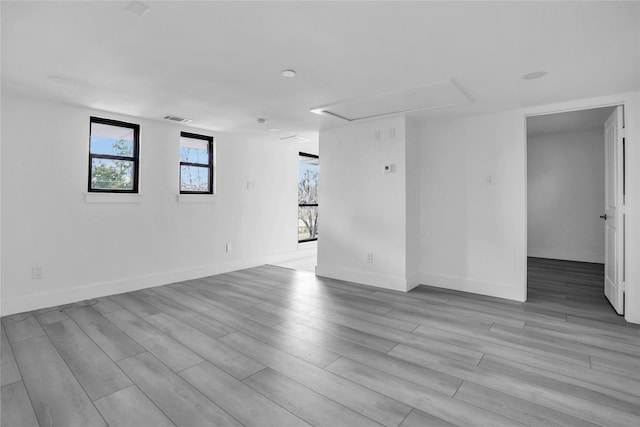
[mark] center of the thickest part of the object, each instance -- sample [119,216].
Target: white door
[614,232]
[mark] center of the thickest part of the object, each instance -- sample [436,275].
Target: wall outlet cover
[36,272]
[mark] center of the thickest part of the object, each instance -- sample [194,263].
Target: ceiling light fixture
[61,80]
[137,8]
[288,73]
[534,75]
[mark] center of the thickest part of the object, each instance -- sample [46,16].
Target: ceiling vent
[428,97]
[178,119]
[294,138]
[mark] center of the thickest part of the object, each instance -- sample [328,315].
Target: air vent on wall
[178,119]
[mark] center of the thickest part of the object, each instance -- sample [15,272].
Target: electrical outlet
[370,258]
[229,247]
[36,272]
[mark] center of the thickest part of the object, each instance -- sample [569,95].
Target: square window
[113,156]
[196,164]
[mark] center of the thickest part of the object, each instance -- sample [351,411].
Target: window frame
[210,143]
[311,156]
[135,158]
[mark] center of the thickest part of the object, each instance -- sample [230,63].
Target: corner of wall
[369,215]
[88,249]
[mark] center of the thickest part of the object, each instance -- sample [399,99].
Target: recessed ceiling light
[288,73]
[534,75]
[137,8]
[61,80]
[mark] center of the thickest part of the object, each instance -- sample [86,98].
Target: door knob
[604,217]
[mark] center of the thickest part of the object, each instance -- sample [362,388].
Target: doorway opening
[575,208]
[307,224]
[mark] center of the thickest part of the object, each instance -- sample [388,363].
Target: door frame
[631,106]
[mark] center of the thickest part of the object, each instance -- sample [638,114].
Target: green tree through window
[115,174]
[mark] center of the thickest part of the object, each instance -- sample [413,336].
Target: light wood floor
[270,346]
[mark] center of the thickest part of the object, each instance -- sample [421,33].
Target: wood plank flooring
[269,346]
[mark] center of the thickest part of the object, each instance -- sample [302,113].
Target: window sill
[113,198]
[196,198]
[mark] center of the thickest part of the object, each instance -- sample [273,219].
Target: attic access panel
[428,97]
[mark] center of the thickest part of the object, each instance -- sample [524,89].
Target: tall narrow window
[113,156]
[308,197]
[196,164]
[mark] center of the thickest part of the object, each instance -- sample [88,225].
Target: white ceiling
[219,63]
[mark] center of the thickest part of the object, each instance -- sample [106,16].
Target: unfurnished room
[320,213]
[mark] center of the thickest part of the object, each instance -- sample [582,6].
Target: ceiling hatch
[428,97]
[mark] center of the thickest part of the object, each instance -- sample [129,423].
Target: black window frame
[300,205]
[210,141]
[135,158]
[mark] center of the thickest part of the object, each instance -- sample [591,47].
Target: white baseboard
[631,317]
[566,255]
[365,278]
[35,301]
[510,291]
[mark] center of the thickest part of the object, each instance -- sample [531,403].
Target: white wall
[93,249]
[363,209]
[472,233]
[565,196]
